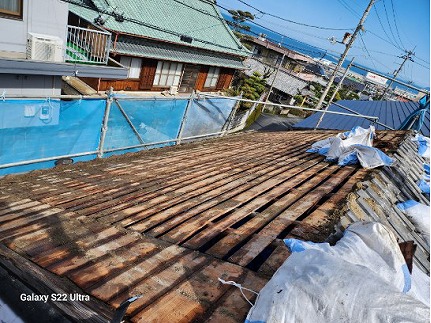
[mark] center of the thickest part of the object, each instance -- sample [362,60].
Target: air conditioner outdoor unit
[44,48]
[173,90]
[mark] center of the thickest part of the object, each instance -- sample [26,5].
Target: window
[11,8]
[212,77]
[168,74]
[134,64]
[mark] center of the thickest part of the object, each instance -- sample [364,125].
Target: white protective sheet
[419,214]
[363,278]
[423,145]
[352,147]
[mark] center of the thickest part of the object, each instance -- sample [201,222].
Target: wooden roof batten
[167,223]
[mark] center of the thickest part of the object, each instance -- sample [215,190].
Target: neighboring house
[404,95]
[351,84]
[285,85]
[37,48]
[302,66]
[173,45]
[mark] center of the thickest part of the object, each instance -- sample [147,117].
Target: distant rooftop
[390,113]
[281,49]
[284,81]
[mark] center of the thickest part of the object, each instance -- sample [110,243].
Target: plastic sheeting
[419,214]
[206,116]
[423,145]
[352,147]
[155,121]
[37,129]
[424,182]
[363,278]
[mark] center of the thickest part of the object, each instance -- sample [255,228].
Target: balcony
[87,46]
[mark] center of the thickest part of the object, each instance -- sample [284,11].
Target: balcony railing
[87,46]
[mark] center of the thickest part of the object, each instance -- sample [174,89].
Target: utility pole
[406,57]
[335,92]
[273,80]
[343,57]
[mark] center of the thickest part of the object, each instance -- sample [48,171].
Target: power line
[290,45]
[350,9]
[427,67]
[377,51]
[366,49]
[385,40]
[292,29]
[422,60]
[384,30]
[389,23]
[288,20]
[395,23]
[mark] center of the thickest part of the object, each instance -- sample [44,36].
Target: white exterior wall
[47,17]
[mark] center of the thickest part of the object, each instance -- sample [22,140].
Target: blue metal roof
[390,113]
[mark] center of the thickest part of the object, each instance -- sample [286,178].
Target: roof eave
[29,67]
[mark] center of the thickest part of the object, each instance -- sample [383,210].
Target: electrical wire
[385,40]
[384,30]
[268,22]
[366,49]
[109,13]
[395,23]
[422,60]
[345,5]
[291,21]
[389,23]
[424,66]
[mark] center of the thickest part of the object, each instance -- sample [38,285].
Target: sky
[391,28]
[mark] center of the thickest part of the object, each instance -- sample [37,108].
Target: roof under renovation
[390,113]
[167,223]
[192,23]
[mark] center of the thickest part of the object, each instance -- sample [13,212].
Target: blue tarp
[36,129]
[207,116]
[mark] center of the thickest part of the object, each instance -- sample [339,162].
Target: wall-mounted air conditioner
[173,90]
[44,48]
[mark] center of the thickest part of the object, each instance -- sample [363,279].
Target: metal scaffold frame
[111,98]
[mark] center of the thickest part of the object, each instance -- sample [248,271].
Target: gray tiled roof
[390,113]
[172,52]
[284,82]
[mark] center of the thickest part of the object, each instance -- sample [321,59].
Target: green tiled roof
[172,52]
[166,20]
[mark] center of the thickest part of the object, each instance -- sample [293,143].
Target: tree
[239,18]
[252,88]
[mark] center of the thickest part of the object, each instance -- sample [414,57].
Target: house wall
[30,85]
[48,17]
[145,82]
